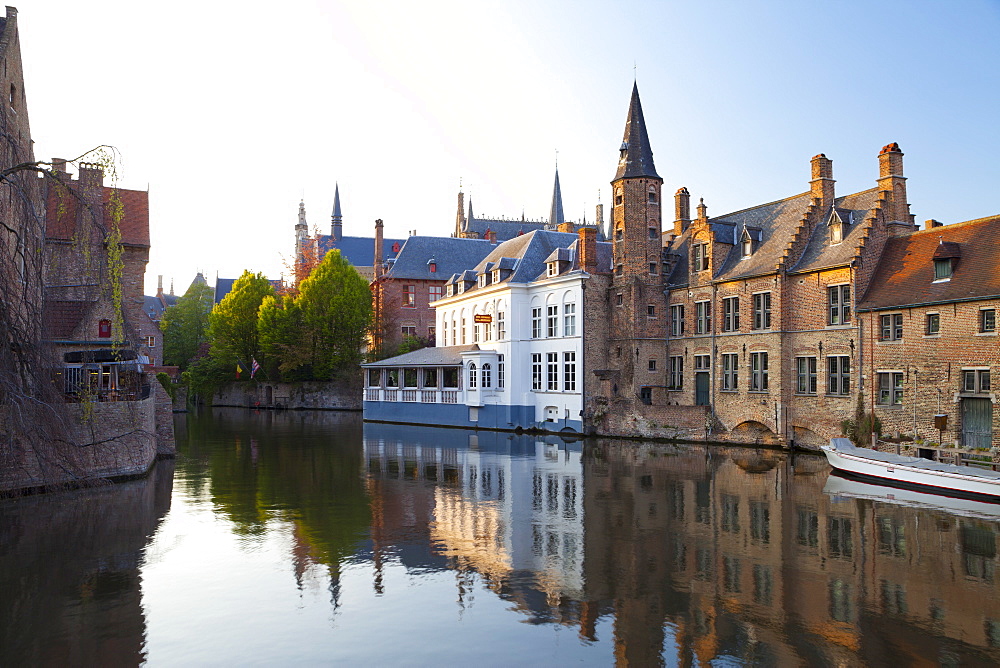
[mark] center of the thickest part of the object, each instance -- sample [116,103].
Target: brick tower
[636,303]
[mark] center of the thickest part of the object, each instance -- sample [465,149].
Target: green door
[701,388]
[977,423]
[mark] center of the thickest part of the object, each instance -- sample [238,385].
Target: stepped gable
[770,224]
[905,273]
[855,211]
[451,255]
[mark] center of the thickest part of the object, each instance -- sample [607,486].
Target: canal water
[301,538]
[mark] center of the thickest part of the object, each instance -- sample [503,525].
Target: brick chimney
[377,261]
[932,223]
[491,236]
[682,210]
[892,184]
[822,180]
[566,227]
[587,249]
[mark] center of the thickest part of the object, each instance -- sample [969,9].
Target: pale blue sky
[232,112]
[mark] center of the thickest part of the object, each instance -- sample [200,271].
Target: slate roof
[359,251]
[531,251]
[451,254]
[905,274]
[771,226]
[505,229]
[637,156]
[443,356]
[222,287]
[63,210]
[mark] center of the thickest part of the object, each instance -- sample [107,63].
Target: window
[496,275]
[618,269]
[838,375]
[838,300]
[552,269]
[987,320]
[431,331]
[552,322]
[104,329]
[652,196]
[730,375]
[836,232]
[552,371]
[618,198]
[501,326]
[433,293]
[746,246]
[150,341]
[762,310]
[430,378]
[700,257]
[536,371]
[569,372]
[409,295]
[650,310]
[892,327]
[462,330]
[702,317]
[652,233]
[449,377]
[652,268]
[933,324]
[409,377]
[942,269]
[806,374]
[472,376]
[569,319]
[392,377]
[652,365]
[890,388]
[475,329]
[619,234]
[677,320]
[487,331]
[500,378]
[976,381]
[486,374]
[676,373]
[619,298]
[731,314]
[408,330]
[536,322]
[374,377]
[758,372]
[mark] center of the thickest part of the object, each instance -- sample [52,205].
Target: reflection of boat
[913,472]
[840,487]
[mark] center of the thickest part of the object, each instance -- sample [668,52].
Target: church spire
[461,224]
[636,154]
[337,219]
[556,216]
[471,216]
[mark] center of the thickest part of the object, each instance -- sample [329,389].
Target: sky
[230,113]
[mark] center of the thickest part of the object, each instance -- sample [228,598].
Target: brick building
[929,325]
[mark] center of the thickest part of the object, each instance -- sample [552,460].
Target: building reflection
[70,577]
[694,554]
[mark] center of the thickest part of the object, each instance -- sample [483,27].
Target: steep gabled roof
[359,251]
[636,154]
[64,210]
[853,211]
[905,273]
[451,255]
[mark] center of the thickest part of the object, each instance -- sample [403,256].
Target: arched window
[104,329]
[487,381]
[472,376]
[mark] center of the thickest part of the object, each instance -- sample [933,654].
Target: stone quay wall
[311,395]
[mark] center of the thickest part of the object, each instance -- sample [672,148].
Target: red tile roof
[63,210]
[905,275]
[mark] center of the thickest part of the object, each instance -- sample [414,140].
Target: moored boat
[913,472]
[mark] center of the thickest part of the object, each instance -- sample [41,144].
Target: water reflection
[309,534]
[70,573]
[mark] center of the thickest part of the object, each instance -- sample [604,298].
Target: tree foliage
[232,324]
[185,324]
[320,332]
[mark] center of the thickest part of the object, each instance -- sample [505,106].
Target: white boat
[916,472]
[842,488]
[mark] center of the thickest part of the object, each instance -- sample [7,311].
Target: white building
[509,343]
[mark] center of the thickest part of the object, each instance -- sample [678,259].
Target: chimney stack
[587,249]
[566,226]
[822,184]
[377,261]
[491,236]
[932,223]
[682,210]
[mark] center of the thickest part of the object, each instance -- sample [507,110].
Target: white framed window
[500,372]
[472,375]
[433,293]
[891,327]
[487,375]
[552,371]
[536,322]
[569,319]
[501,326]
[730,371]
[569,371]
[758,372]
[536,371]
[409,295]
[552,321]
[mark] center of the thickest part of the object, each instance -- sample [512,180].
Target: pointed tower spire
[636,154]
[471,216]
[460,221]
[337,219]
[556,216]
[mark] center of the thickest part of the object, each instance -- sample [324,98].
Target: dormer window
[700,257]
[837,227]
[942,269]
[451,290]
[432,265]
[483,280]
[496,275]
[746,245]
[395,247]
[552,269]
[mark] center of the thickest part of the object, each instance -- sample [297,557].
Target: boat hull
[947,483]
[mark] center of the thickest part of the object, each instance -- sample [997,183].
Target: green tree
[185,324]
[232,324]
[320,333]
